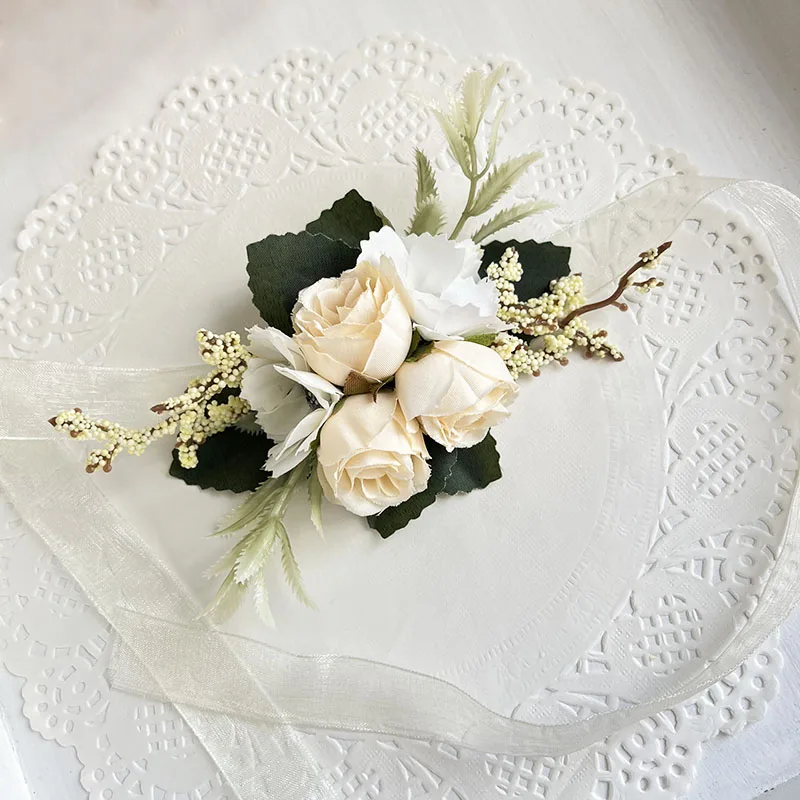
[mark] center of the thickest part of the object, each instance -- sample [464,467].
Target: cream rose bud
[354,323]
[370,456]
[457,392]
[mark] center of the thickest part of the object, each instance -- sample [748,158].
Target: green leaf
[509,216]
[226,601]
[315,500]
[484,339]
[255,554]
[280,267]
[261,602]
[472,94]
[490,84]
[396,517]
[350,220]
[456,143]
[494,133]
[474,468]
[500,180]
[291,569]
[415,342]
[542,262]
[426,179]
[231,460]
[460,471]
[428,217]
[420,351]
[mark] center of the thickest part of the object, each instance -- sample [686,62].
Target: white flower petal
[274,346]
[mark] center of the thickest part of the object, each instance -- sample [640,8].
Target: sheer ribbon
[248,702]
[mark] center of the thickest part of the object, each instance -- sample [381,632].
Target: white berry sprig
[194,416]
[547,328]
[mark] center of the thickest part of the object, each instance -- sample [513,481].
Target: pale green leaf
[472,93]
[315,501]
[500,180]
[426,179]
[291,570]
[255,554]
[225,564]
[458,115]
[494,134]
[490,84]
[456,143]
[428,217]
[261,602]
[509,216]
[249,511]
[226,601]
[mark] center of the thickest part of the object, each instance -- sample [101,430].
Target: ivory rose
[439,280]
[370,456]
[357,322]
[457,392]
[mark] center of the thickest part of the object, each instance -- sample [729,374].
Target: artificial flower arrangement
[384,360]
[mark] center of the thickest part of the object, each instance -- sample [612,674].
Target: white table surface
[717,79]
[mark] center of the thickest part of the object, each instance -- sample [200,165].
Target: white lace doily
[90,252]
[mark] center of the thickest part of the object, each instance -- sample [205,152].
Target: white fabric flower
[357,322]
[291,403]
[439,280]
[457,392]
[370,456]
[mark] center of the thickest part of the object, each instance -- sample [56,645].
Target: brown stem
[613,298]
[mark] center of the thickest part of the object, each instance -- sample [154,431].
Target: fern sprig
[461,124]
[509,216]
[500,180]
[428,216]
[260,517]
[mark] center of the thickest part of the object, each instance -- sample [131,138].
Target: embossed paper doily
[92,252]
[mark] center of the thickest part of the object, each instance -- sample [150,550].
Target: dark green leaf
[420,351]
[350,220]
[230,460]
[474,468]
[396,517]
[541,263]
[460,471]
[281,266]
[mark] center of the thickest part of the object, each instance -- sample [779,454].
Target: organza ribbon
[248,702]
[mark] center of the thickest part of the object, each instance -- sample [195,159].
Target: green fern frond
[226,601]
[253,557]
[494,134]
[291,570]
[472,93]
[500,180]
[426,179]
[456,143]
[261,602]
[490,84]
[508,216]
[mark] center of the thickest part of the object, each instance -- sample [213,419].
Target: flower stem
[473,187]
[646,259]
